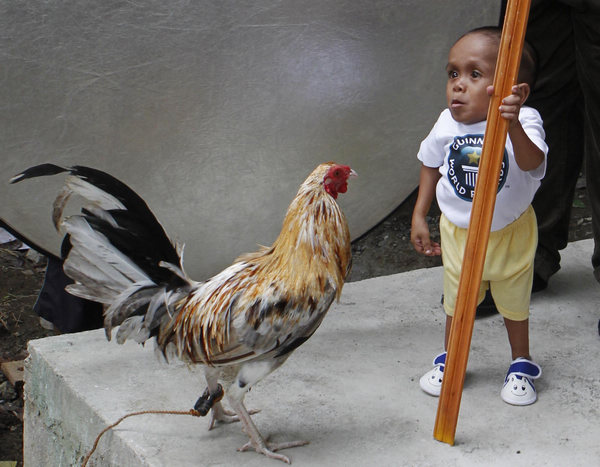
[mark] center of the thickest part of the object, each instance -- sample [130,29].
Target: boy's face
[471,66]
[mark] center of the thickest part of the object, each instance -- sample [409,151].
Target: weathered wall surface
[215,111]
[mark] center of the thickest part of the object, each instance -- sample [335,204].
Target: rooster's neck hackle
[314,238]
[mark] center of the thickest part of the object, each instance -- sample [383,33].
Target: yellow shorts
[508,269]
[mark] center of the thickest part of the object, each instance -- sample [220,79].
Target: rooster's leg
[221,414]
[211,400]
[257,441]
[217,412]
[248,375]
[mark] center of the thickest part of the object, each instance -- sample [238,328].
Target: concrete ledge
[352,389]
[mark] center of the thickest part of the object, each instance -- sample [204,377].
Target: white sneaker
[431,382]
[518,386]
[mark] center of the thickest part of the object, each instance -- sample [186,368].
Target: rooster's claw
[269,449]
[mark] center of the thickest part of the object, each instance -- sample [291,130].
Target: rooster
[241,324]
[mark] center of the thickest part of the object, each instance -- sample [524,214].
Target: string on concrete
[192,412]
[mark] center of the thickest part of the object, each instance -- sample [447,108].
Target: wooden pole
[507,68]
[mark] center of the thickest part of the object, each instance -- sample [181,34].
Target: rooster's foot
[219,414]
[269,449]
[222,415]
[206,401]
[257,441]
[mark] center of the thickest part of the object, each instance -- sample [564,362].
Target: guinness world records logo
[463,165]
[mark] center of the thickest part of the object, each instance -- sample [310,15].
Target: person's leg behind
[557,96]
[587,39]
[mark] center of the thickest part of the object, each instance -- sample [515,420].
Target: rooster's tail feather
[117,252]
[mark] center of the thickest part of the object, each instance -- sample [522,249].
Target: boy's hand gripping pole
[507,68]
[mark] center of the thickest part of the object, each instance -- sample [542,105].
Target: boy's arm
[527,155]
[419,232]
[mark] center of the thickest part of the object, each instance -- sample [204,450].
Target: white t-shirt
[456,148]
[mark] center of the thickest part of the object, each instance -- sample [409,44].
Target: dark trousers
[566,36]
[66,312]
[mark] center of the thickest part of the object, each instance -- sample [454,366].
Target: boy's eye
[475,74]
[452,74]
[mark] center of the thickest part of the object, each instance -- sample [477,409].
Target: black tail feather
[116,251]
[130,199]
[143,240]
[38,171]
[139,235]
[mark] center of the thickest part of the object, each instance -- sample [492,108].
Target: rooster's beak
[353,173]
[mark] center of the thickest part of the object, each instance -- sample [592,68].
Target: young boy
[450,160]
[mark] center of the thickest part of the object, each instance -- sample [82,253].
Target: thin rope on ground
[192,412]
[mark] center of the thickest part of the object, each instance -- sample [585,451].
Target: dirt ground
[384,250]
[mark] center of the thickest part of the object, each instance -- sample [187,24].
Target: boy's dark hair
[528,66]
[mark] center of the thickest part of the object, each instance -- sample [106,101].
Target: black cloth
[566,36]
[65,311]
